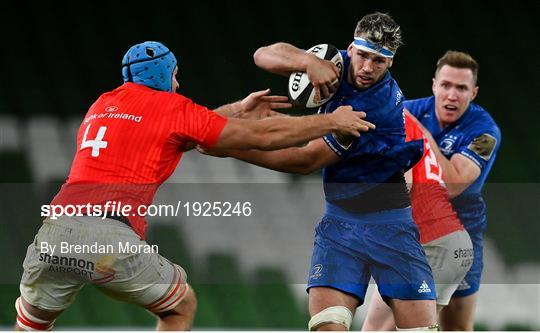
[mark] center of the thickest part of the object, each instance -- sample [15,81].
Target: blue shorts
[471,281]
[350,248]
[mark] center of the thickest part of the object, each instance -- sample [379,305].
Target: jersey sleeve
[481,147]
[346,147]
[417,107]
[197,123]
[412,107]
[372,142]
[349,146]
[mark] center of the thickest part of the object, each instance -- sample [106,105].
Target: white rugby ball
[300,90]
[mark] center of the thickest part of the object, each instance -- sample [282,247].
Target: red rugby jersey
[129,143]
[432,210]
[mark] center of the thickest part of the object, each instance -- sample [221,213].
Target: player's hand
[212,152]
[350,122]
[324,75]
[260,104]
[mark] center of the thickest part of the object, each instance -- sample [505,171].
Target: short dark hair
[458,59]
[379,29]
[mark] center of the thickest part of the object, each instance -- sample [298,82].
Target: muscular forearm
[455,184]
[278,133]
[283,132]
[232,110]
[281,58]
[286,160]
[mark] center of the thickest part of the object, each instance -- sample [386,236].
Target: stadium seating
[9,135]
[46,151]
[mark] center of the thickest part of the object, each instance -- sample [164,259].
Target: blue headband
[367,46]
[151,64]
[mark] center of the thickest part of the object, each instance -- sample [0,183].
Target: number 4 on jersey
[95,144]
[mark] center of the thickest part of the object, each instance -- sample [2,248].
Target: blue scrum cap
[151,64]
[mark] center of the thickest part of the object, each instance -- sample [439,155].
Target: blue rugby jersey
[476,136]
[376,156]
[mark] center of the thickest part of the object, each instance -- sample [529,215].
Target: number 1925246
[217,208]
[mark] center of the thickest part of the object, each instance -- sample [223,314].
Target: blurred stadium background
[58,56]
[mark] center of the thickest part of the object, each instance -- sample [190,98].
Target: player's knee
[186,307]
[456,326]
[379,324]
[332,318]
[462,328]
[29,320]
[458,315]
[190,302]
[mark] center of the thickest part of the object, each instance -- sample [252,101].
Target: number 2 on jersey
[96,144]
[433,169]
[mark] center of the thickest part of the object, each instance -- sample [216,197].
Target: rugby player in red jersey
[129,143]
[447,244]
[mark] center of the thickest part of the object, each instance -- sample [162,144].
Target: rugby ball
[300,90]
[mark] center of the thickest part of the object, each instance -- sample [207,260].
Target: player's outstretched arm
[283,59]
[301,160]
[283,132]
[257,105]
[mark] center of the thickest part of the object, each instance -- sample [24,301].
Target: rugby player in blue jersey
[367,229]
[465,139]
